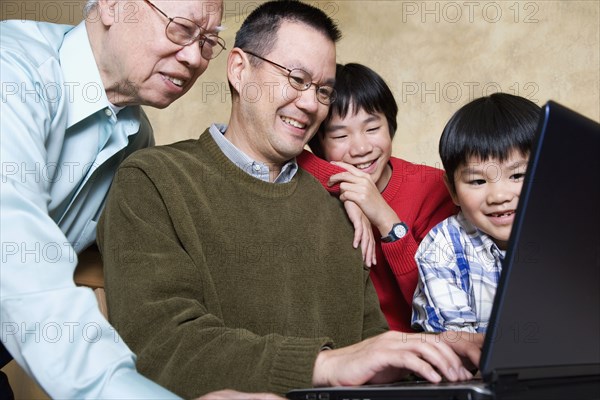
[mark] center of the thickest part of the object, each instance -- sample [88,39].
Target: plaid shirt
[459,268]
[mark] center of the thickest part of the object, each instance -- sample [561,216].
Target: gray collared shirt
[251,167]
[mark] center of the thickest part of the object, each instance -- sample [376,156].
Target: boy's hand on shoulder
[358,187]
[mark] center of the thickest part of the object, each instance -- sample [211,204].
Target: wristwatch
[398,231]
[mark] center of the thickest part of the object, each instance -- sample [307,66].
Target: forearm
[400,256]
[53,329]
[187,348]
[183,343]
[439,304]
[61,339]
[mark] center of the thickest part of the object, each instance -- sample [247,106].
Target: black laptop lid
[546,315]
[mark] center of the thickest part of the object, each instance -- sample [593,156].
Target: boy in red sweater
[402,201]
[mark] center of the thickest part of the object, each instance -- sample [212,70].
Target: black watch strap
[398,231]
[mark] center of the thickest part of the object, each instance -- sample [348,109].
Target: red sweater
[418,195]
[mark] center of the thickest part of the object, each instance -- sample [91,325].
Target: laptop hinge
[507,382]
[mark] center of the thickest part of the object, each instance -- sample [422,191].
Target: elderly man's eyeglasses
[183,31]
[301,80]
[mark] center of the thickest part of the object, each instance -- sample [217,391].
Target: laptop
[543,340]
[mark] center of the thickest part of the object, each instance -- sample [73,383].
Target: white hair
[89,6]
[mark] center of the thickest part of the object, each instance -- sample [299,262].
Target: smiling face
[271,121]
[363,140]
[488,192]
[139,64]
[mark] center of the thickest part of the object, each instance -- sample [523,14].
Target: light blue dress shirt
[60,143]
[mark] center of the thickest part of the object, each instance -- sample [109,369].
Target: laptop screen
[546,318]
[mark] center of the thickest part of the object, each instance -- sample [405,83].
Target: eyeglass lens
[301,80]
[183,31]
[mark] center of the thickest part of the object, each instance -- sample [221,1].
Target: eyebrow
[328,82]
[333,128]
[202,21]
[518,164]
[468,171]
[476,170]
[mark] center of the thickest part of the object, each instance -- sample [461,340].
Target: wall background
[435,55]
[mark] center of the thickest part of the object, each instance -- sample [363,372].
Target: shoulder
[308,182]
[455,233]
[446,228]
[446,232]
[31,41]
[416,173]
[411,167]
[158,158]
[445,247]
[314,193]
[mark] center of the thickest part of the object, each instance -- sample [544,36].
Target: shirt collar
[82,82]
[247,164]
[476,234]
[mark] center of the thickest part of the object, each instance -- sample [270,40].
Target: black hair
[258,32]
[488,127]
[358,87]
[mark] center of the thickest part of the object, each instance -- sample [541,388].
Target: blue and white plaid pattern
[459,268]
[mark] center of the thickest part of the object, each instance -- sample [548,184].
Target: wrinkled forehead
[206,13]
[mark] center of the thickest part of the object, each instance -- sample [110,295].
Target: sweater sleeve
[431,203]
[159,301]
[400,257]
[374,321]
[321,169]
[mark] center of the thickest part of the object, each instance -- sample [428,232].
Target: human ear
[237,66]
[107,13]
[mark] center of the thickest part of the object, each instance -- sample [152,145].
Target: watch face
[400,230]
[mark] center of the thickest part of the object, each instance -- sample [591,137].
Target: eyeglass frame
[201,37]
[333,95]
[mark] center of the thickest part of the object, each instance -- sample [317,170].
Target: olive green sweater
[217,280]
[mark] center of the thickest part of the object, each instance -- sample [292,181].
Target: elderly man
[71,113]
[228,266]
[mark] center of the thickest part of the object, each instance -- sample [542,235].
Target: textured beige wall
[435,55]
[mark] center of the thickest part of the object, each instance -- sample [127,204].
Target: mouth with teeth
[176,81]
[502,214]
[293,122]
[364,165]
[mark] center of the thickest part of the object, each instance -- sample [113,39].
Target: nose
[360,145]
[307,100]
[191,56]
[499,193]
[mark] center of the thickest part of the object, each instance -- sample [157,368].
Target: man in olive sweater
[227,266]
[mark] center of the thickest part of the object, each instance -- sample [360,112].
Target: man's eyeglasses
[183,31]
[301,80]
